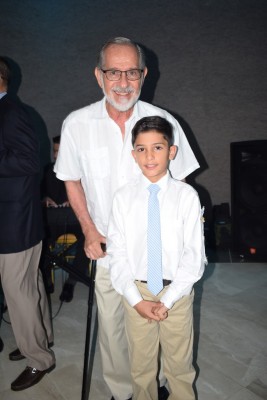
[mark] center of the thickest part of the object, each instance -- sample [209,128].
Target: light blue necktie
[154,268]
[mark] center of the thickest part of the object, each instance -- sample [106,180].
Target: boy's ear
[134,155]
[172,152]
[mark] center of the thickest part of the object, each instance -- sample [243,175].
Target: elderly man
[94,160]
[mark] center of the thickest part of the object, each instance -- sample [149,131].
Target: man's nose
[124,81]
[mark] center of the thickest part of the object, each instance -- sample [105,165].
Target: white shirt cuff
[133,295]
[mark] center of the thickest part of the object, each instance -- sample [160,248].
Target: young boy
[161,316]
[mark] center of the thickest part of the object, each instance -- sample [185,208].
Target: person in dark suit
[21,239]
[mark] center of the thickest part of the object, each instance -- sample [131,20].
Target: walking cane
[85,387]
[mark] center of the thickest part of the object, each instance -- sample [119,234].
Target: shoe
[17,356]
[67,293]
[29,377]
[1,345]
[112,398]
[163,393]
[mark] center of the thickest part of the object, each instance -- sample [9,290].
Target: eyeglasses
[115,74]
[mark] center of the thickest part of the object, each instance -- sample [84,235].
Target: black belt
[165,282]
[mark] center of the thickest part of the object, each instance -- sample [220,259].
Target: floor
[230,343]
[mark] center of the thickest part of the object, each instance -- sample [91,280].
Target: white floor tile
[230,325]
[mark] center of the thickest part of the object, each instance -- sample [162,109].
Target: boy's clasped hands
[152,310]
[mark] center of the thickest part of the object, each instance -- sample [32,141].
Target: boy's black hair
[154,123]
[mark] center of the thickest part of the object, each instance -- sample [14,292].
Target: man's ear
[134,155]
[144,75]
[98,76]
[3,85]
[172,152]
[145,72]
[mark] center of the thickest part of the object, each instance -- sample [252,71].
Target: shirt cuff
[132,295]
[171,296]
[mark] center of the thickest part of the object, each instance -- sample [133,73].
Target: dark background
[207,63]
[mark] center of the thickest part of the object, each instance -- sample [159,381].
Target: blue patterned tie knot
[154,250]
[153,189]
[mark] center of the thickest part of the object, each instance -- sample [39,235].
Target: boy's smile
[152,153]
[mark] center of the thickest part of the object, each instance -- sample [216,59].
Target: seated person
[54,190]
[59,220]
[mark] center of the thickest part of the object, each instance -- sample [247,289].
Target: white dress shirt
[92,149]
[183,252]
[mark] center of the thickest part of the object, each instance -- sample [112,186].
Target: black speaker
[249,197]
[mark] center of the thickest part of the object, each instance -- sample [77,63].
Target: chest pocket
[95,163]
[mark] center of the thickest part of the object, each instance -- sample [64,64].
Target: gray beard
[122,107]
[118,106]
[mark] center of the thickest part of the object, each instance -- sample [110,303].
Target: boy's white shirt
[183,251]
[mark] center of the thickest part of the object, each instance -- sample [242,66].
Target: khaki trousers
[112,338]
[27,306]
[174,335]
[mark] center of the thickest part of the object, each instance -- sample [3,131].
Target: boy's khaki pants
[112,338]
[175,335]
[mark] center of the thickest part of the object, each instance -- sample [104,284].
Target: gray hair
[121,41]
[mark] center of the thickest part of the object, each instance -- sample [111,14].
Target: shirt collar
[2,94]
[162,183]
